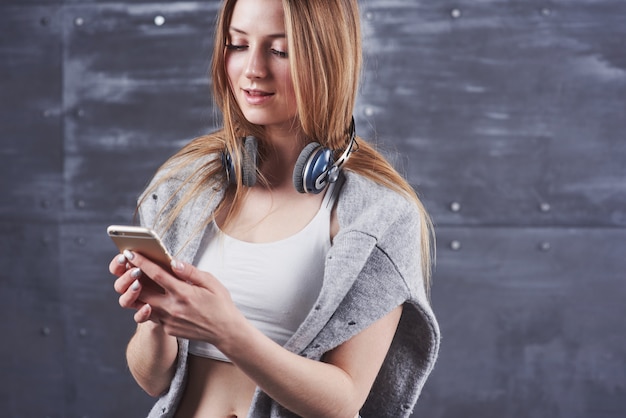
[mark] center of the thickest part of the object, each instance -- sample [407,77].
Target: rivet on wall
[159,20]
[46,241]
[369,16]
[80,204]
[455,207]
[545,246]
[455,13]
[545,207]
[82,332]
[79,21]
[546,12]
[80,241]
[45,331]
[369,111]
[44,21]
[455,245]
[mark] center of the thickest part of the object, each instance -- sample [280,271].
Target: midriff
[215,389]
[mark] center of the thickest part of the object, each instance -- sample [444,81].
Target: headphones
[314,169]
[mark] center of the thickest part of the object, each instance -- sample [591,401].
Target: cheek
[288,87]
[233,70]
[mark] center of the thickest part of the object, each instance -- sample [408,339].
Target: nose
[257,65]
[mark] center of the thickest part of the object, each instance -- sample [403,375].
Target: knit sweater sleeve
[391,276]
[373,267]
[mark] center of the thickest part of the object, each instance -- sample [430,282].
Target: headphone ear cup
[249,159]
[301,163]
[311,167]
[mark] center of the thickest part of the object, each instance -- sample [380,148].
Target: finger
[143,314]
[118,265]
[130,298]
[190,274]
[155,272]
[126,280]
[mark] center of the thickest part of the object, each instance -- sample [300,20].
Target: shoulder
[198,161]
[373,208]
[195,168]
[392,223]
[176,177]
[188,164]
[184,170]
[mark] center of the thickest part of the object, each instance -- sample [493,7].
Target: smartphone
[141,240]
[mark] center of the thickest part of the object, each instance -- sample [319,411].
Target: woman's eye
[280,54]
[243,47]
[232,47]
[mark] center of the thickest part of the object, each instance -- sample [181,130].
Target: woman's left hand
[191,303]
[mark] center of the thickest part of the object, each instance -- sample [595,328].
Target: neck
[282,148]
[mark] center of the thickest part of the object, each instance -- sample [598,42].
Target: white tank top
[274,284]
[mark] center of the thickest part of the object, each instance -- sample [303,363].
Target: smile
[256,97]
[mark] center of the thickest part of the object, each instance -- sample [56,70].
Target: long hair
[324,44]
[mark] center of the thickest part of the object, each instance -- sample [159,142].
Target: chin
[256,119]
[266,120]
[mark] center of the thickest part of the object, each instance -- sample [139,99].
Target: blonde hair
[324,44]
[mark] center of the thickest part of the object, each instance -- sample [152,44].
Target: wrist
[241,333]
[154,334]
[151,328]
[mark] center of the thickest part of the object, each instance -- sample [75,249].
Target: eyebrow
[242,32]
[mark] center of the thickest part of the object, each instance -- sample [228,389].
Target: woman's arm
[196,306]
[151,356]
[336,387]
[151,353]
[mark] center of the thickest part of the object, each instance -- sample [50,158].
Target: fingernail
[135,286]
[145,310]
[121,260]
[177,265]
[129,255]
[135,273]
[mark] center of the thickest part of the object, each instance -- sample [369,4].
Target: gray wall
[507,116]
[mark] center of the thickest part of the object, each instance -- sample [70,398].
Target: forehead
[258,16]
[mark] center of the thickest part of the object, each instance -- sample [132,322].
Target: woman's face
[257,63]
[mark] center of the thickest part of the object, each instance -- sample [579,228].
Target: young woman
[299,287]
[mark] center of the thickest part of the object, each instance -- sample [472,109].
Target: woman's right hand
[129,287]
[151,353]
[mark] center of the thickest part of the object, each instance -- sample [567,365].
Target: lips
[255,97]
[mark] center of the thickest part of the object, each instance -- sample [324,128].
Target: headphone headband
[314,169]
[332,174]
[346,154]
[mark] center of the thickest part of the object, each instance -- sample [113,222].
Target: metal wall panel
[30,113]
[134,93]
[499,106]
[531,321]
[31,163]
[508,117]
[32,306]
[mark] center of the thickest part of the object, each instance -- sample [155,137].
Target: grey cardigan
[372,267]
